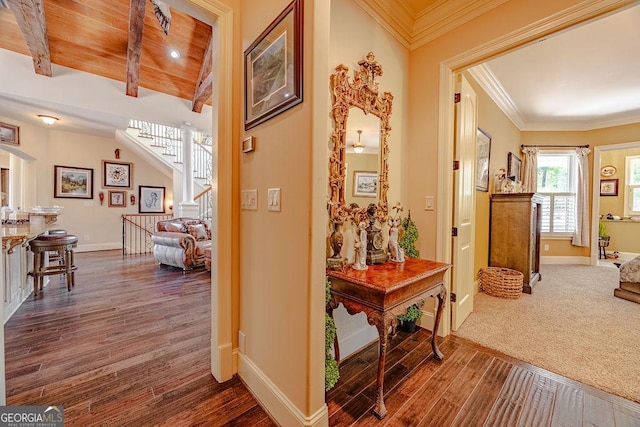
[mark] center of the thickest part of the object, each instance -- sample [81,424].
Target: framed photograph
[273,68]
[117,199]
[9,134]
[365,184]
[483,151]
[72,183]
[514,168]
[609,187]
[151,199]
[117,174]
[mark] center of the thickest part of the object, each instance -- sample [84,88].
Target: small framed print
[9,134]
[365,184]
[514,167]
[151,199]
[117,199]
[117,174]
[609,187]
[607,171]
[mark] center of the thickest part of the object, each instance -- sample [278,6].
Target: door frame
[444,221]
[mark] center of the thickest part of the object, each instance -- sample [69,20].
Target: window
[632,188]
[557,177]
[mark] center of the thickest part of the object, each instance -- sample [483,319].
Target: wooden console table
[384,291]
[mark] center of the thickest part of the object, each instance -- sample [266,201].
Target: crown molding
[398,21]
[446,15]
[485,77]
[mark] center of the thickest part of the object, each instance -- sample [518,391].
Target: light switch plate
[249,200]
[273,199]
[429,203]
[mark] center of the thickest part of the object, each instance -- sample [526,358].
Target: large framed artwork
[273,68]
[483,152]
[151,199]
[365,184]
[9,134]
[72,182]
[117,174]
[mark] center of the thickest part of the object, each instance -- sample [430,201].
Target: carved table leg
[336,346]
[442,296]
[382,322]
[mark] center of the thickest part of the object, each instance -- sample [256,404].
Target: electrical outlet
[546,247]
[87,237]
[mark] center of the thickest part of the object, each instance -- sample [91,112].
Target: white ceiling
[587,77]
[584,78]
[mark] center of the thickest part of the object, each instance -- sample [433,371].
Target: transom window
[632,193]
[557,178]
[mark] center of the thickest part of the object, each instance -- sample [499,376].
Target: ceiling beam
[30,17]
[134,45]
[204,87]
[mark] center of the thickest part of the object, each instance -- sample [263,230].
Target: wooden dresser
[514,241]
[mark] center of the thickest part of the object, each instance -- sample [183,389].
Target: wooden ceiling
[102,37]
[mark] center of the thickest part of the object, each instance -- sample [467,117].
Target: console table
[382,292]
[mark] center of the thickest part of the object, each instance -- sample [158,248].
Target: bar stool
[60,243]
[56,256]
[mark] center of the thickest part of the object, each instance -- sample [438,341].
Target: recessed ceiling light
[174,54]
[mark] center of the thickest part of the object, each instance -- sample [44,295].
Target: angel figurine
[360,245]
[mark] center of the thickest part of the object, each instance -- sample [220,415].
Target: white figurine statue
[360,245]
[395,251]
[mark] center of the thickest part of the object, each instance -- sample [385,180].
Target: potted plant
[408,237]
[331,373]
[408,320]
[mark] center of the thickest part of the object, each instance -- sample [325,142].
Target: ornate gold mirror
[358,106]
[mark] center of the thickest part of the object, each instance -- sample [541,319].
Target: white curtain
[581,235]
[530,180]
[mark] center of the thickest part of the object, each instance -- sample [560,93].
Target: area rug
[571,325]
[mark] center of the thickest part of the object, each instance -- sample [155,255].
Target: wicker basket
[501,282]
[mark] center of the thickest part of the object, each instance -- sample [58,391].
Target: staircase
[164,144]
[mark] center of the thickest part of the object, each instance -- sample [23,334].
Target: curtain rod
[555,146]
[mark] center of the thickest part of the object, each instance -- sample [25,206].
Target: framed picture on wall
[72,183]
[514,168]
[365,184]
[117,174]
[483,150]
[9,134]
[273,68]
[151,199]
[609,187]
[117,199]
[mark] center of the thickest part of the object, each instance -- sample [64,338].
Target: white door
[464,203]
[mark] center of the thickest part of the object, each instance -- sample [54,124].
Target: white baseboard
[577,260]
[274,401]
[98,247]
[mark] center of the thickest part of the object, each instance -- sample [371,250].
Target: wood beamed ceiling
[118,39]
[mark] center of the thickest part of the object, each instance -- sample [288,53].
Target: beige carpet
[571,325]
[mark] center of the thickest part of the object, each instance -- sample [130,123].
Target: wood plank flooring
[129,346]
[472,386]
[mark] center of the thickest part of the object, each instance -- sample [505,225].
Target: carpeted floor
[571,325]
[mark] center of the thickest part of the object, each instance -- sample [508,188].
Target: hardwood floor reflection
[129,346]
[472,386]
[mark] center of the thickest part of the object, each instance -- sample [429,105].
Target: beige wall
[44,148]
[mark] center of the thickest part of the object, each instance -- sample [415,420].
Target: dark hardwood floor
[129,346]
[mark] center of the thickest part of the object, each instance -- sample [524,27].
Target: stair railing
[204,204]
[137,230]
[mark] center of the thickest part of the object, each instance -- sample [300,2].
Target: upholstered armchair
[181,242]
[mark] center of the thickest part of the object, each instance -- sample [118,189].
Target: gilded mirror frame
[360,92]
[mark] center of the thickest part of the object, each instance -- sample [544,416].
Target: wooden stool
[61,243]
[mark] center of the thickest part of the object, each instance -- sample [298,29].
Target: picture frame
[71,182]
[609,187]
[514,168]
[483,154]
[117,199]
[9,134]
[151,199]
[607,171]
[273,68]
[365,184]
[117,174]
